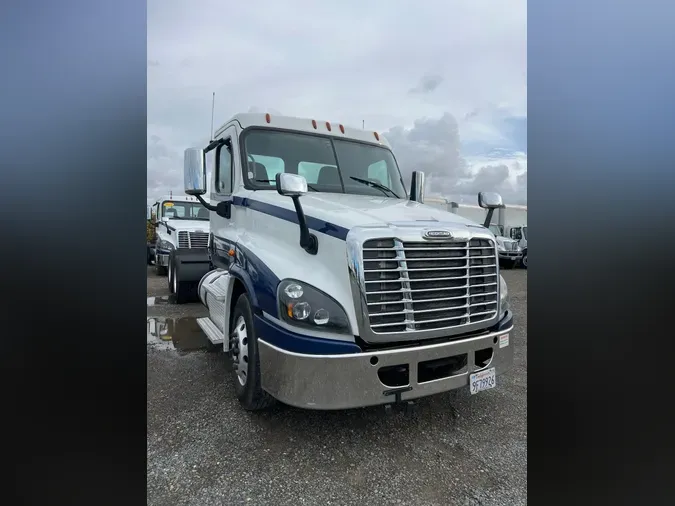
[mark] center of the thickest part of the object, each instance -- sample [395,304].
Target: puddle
[180,334]
[162,301]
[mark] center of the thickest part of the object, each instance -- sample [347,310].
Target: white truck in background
[510,253]
[331,288]
[512,221]
[509,225]
[182,225]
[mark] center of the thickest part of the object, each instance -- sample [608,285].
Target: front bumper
[510,255]
[352,380]
[162,258]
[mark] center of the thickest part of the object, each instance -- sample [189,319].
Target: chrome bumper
[162,259]
[510,255]
[351,381]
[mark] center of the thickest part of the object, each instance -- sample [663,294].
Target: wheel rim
[174,280]
[170,273]
[525,260]
[239,347]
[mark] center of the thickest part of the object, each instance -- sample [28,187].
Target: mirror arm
[206,204]
[488,217]
[214,144]
[308,241]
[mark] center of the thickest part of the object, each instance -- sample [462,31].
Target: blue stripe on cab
[290,341]
[289,215]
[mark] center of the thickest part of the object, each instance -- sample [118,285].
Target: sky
[445,81]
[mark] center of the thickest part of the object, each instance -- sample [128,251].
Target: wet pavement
[203,449]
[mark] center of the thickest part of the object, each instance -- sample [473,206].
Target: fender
[260,282]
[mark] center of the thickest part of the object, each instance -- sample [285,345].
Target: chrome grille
[413,286]
[193,239]
[509,246]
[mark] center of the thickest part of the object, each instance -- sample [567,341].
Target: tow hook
[407,407]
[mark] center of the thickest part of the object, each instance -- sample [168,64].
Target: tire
[170,273]
[181,289]
[523,261]
[149,256]
[249,391]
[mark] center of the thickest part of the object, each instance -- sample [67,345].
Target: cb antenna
[213,108]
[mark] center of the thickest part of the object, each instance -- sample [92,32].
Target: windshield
[525,233]
[184,210]
[496,230]
[328,165]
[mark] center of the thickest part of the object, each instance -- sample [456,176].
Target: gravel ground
[203,449]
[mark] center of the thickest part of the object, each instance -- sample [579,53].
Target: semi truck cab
[519,233]
[331,286]
[182,225]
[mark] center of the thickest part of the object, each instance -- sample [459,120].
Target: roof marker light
[267,117]
[314,124]
[377,137]
[328,125]
[342,129]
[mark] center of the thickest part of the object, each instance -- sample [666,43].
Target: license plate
[483,380]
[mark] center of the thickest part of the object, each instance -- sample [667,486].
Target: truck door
[224,180]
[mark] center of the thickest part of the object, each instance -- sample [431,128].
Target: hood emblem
[437,234]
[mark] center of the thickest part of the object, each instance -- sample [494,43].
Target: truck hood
[349,211]
[504,240]
[189,225]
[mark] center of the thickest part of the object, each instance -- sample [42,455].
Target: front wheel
[181,289]
[171,274]
[245,359]
[524,260]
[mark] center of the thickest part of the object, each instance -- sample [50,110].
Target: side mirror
[294,186]
[194,171]
[417,187]
[490,200]
[291,185]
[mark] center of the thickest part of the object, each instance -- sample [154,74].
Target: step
[210,329]
[216,291]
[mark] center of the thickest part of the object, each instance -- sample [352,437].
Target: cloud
[348,62]
[430,145]
[427,84]
[434,146]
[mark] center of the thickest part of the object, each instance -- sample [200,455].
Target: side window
[379,172]
[224,169]
[155,211]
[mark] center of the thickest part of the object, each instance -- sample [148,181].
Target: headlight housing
[503,297]
[304,306]
[163,244]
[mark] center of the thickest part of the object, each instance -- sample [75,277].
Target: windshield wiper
[374,184]
[275,181]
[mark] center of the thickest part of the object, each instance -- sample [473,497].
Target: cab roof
[178,198]
[306,125]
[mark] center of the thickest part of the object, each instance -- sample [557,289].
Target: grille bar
[413,286]
[192,239]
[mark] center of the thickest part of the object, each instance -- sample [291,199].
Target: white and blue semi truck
[327,284]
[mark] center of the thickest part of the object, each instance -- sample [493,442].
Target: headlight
[165,245]
[303,305]
[503,297]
